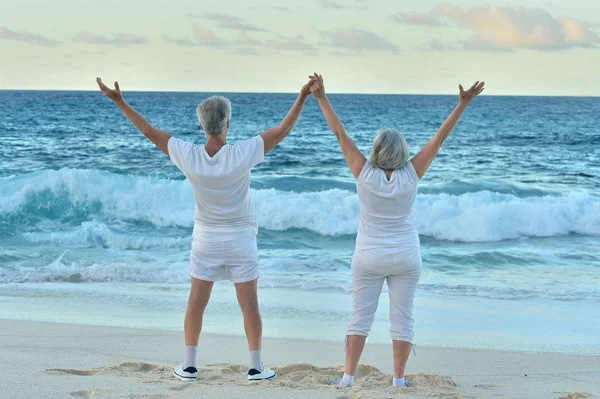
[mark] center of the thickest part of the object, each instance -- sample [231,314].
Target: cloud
[181,41]
[335,5]
[22,36]
[336,53]
[424,19]
[116,39]
[577,33]
[509,27]
[297,43]
[246,40]
[79,54]
[244,44]
[331,4]
[230,22]
[438,45]
[281,8]
[205,37]
[356,39]
[246,51]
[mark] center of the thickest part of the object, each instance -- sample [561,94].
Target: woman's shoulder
[409,173]
[367,173]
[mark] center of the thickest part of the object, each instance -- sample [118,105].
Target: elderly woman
[225,229]
[387,243]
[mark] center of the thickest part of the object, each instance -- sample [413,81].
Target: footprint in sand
[128,368]
[575,395]
[74,372]
[485,386]
[123,368]
[83,394]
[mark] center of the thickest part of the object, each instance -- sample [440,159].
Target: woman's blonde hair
[390,150]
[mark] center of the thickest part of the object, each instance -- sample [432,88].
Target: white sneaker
[189,374]
[407,384]
[338,382]
[266,374]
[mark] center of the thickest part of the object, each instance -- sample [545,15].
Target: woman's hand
[113,94]
[355,160]
[305,91]
[317,88]
[465,97]
[424,158]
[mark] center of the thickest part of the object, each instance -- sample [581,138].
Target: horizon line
[295,92]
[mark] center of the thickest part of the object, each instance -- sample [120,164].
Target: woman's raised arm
[423,159]
[354,158]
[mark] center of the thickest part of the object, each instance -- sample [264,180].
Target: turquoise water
[95,223]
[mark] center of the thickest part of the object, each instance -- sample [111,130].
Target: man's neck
[214,144]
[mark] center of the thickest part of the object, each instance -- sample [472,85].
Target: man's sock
[398,382]
[256,360]
[190,357]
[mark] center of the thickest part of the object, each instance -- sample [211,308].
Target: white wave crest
[469,217]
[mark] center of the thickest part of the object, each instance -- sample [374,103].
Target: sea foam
[75,197]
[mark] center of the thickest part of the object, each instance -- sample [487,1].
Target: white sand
[45,360]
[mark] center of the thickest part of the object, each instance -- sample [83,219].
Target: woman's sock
[347,380]
[398,382]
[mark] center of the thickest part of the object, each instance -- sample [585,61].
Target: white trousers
[402,270]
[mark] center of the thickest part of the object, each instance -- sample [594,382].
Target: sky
[529,47]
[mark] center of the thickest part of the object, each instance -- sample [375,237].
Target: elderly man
[225,229]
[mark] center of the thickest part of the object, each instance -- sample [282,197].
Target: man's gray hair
[390,150]
[213,114]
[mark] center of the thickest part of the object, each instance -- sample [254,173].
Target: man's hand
[465,97]
[317,88]
[113,94]
[158,137]
[305,91]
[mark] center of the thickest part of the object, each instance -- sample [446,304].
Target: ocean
[95,222]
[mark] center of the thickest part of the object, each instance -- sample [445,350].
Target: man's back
[221,185]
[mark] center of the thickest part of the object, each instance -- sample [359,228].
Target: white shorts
[235,260]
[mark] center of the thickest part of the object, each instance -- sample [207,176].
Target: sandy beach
[54,360]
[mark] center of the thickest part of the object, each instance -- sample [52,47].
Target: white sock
[347,380]
[398,382]
[190,357]
[256,360]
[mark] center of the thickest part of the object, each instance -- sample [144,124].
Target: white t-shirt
[386,208]
[221,186]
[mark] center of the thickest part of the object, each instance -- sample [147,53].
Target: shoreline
[107,362]
[214,335]
[442,322]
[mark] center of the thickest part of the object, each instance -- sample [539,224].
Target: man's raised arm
[273,136]
[158,137]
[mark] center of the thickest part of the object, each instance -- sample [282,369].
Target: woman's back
[386,207]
